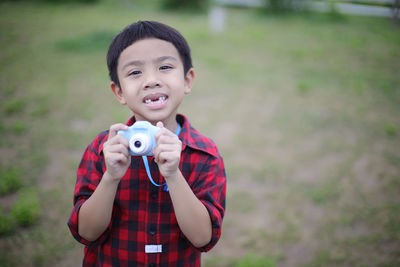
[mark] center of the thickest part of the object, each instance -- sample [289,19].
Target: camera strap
[146,165]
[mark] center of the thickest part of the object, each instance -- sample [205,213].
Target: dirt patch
[7,201]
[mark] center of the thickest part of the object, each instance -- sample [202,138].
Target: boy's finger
[118,139]
[160,124]
[164,132]
[118,157]
[115,128]
[118,148]
[167,139]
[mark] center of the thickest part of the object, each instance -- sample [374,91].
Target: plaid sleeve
[89,174]
[210,189]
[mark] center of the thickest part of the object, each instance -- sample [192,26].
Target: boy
[120,216]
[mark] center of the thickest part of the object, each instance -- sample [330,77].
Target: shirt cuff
[216,224]
[73,227]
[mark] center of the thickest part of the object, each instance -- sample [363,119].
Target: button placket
[152,232]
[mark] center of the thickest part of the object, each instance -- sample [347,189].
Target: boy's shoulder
[196,140]
[97,143]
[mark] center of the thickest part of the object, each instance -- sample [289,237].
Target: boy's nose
[152,81]
[152,84]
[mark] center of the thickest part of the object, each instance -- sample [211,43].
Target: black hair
[143,30]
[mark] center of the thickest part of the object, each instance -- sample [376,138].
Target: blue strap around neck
[146,165]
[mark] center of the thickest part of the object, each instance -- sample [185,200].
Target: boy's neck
[169,123]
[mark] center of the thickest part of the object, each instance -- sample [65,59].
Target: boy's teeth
[161,99]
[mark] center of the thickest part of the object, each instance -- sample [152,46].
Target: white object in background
[217,18]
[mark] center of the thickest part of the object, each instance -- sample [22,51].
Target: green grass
[26,209]
[252,260]
[24,212]
[304,109]
[6,223]
[13,106]
[10,180]
[89,43]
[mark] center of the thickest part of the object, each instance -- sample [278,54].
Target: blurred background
[302,98]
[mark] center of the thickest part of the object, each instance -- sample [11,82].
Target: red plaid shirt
[143,214]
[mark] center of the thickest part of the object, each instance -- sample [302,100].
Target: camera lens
[138,144]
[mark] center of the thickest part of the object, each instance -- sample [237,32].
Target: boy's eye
[165,67]
[135,72]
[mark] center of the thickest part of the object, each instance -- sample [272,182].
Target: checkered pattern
[143,213]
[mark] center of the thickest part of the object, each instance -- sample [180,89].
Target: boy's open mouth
[157,98]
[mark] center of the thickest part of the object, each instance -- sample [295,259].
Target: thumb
[160,124]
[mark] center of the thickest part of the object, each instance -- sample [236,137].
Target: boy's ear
[189,79]
[117,91]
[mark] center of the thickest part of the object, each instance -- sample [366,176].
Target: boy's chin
[154,118]
[164,115]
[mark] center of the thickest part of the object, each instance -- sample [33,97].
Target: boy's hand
[167,153]
[116,152]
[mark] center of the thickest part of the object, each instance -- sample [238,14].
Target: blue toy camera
[141,138]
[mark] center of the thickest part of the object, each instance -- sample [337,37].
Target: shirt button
[152,232]
[154,194]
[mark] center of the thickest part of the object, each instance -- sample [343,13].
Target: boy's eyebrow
[160,59]
[141,63]
[133,62]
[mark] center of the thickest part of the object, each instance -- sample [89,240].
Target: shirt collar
[192,138]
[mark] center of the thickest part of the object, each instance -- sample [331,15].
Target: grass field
[304,108]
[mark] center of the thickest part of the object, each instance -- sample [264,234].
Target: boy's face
[152,80]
